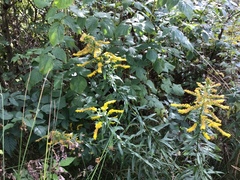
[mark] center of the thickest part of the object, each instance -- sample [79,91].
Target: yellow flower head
[192,128]
[98,125]
[111,111]
[86,109]
[105,106]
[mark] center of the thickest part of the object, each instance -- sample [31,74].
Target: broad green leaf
[151,86]
[78,84]
[177,89]
[107,27]
[186,8]
[62,4]
[91,24]
[171,4]
[67,161]
[8,126]
[161,3]
[58,80]
[42,3]
[180,37]
[35,77]
[40,130]
[166,85]
[10,144]
[46,64]
[152,55]
[59,53]
[5,115]
[46,108]
[122,30]
[56,33]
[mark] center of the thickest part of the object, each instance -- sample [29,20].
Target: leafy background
[170,45]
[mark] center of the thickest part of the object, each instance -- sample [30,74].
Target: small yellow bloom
[86,109]
[122,66]
[205,134]
[181,105]
[83,64]
[79,126]
[92,74]
[98,125]
[111,111]
[105,106]
[192,128]
[100,65]
[88,49]
[223,132]
[95,117]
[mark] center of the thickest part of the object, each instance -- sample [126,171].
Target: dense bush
[120,89]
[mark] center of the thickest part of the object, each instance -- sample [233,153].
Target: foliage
[87,88]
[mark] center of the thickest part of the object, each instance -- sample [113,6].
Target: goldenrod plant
[204,105]
[95,48]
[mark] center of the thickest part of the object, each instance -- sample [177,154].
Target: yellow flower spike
[88,49]
[203,122]
[95,117]
[79,126]
[92,74]
[223,132]
[181,105]
[83,64]
[192,128]
[111,111]
[100,65]
[122,66]
[205,134]
[86,109]
[98,125]
[190,92]
[105,106]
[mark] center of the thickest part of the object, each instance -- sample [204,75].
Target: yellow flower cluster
[62,138]
[101,112]
[95,48]
[205,101]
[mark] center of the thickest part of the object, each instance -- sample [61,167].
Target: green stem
[3,133]
[34,120]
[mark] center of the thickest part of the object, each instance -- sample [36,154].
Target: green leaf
[5,115]
[46,64]
[161,3]
[171,4]
[8,126]
[10,144]
[59,53]
[152,55]
[177,89]
[40,130]
[107,27]
[56,33]
[151,86]
[58,80]
[91,24]
[122,30]
[35,77]
[46,108]
[78,84]
[180,37]
[186,8]
[62,4]
[67,161]
[42,3]
[166,85]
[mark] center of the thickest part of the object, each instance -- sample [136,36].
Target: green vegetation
[120,89]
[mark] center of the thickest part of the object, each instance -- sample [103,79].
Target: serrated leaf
[40,130]
[62,4]
[186,8]
[67,161]
[56,33]
[78,84]
[46,64]
[152,55]
[42,3]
